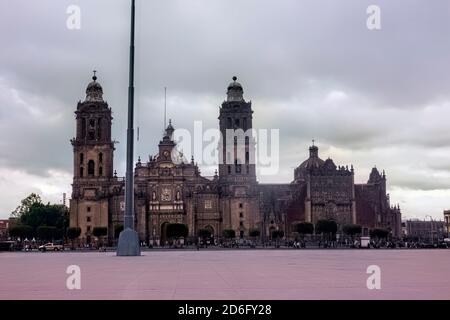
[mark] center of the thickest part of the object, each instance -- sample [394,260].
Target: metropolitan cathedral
[168,192]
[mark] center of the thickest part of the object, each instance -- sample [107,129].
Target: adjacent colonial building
[447,222]
[424,230]
[168,191]
[4,227]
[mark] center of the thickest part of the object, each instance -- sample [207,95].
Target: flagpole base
[129,245]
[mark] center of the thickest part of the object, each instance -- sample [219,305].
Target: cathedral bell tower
[237,151]
[239,195]
[92,147]
[92,163]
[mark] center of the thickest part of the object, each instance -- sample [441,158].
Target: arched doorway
[210,229]
[211,238]
[271,230]
[164,234]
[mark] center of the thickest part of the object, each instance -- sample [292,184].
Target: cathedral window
[100,171]
[236,123]
[88,228]
[91,134]
[100,157]
[229,123]
[81,158]
[241,215]
[88,219]
[238,166]
[88,209]
[81,172]
[240,205]
[248,169]
[241,234]
[245,124]
[91,168]
[229,169]
[247,157]
[241,223]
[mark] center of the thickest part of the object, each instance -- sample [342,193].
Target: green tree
[26,204]
[277,234]
[254,233]
[46,215]
[379,233]
[72,234]
[303,228]
[21,231]
[352,230]
[177,230]
[46,233]
[117,230]
[229,234]
[327,228]
[100,233]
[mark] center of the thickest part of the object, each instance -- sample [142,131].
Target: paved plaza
[228,274]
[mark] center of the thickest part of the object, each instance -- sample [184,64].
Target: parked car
[51,247]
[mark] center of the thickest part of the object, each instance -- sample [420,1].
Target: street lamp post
[129,239]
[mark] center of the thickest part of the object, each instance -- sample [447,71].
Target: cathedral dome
[235,85]
[329,165]
[235,91]
[94,86]
[313,162]
[94,91]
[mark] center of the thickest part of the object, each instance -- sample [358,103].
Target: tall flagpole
[129,239]
[129,194]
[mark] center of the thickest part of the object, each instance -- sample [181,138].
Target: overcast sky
[311,68]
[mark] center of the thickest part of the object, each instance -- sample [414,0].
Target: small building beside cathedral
[168,191]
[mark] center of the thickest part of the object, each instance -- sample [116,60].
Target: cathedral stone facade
[168,191]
